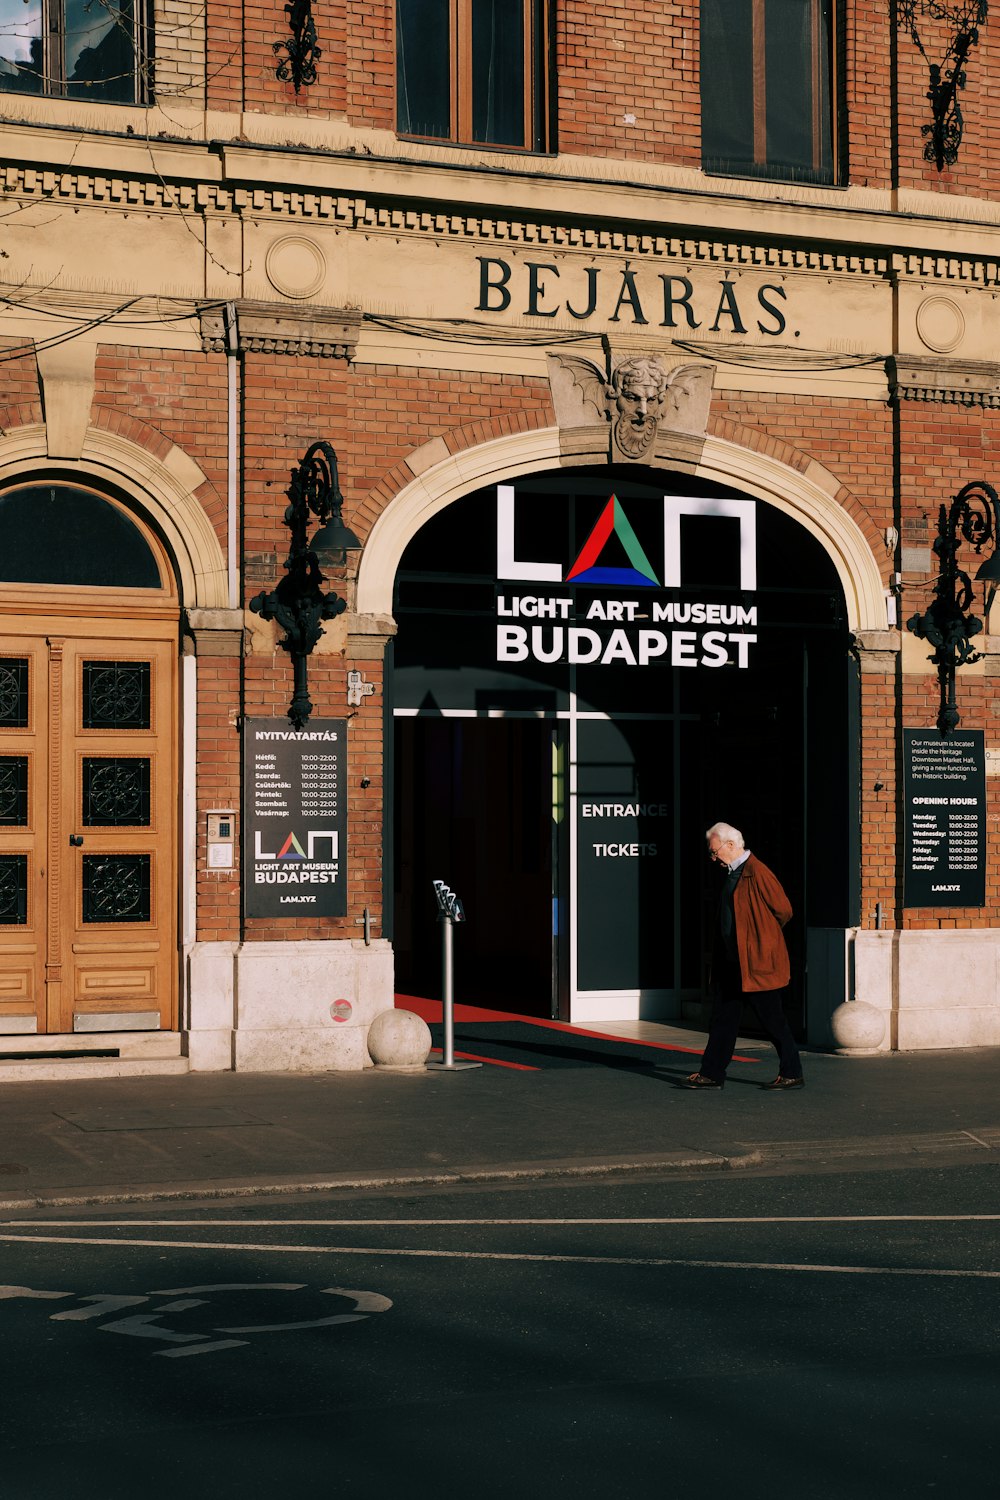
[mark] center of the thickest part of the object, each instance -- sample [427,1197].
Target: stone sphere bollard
[858,1028]
[399,1039]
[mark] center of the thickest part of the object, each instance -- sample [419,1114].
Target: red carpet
[472,1016]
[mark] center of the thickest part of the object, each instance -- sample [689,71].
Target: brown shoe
[699,1081]
[785,1083]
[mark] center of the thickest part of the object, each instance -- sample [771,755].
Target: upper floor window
[78,49]
[766,88]
[473,71]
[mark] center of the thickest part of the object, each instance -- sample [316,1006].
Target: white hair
[727,833]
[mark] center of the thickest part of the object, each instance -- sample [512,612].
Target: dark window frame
[538,133]
[135,83]
[826,126]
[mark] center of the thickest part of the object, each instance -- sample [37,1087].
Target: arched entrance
[88,765]
[591,667]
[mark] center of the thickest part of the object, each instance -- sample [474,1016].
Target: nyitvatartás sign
[295,819]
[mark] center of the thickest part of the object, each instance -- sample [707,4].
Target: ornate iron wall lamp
[298,603]
[963,19]
[298,66]
[973,517]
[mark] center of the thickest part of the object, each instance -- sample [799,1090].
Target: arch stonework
[805,490]
[162,488]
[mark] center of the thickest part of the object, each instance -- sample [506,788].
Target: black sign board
[295,818]
[944,814]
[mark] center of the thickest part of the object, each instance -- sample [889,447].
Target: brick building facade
[544,255]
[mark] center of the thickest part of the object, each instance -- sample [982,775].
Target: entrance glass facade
[590,669]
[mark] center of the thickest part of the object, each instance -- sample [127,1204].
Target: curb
[287,1186]
[960,1145]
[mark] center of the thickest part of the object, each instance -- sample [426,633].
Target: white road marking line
[488,1223]
[379,1252]
[212,1348]
[10,1292]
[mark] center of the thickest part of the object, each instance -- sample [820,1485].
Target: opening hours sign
[295,819]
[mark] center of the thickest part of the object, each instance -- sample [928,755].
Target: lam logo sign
[292,849]
[598,567]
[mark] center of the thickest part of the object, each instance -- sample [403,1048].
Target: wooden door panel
[120,896]
[23,830]
[88,817]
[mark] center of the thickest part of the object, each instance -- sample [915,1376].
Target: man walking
[749,962]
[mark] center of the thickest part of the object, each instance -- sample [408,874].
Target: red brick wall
[612,60]
[376,418]
[218,759]
[373,416]
[266,24]
[159,397]
[615,59]
[20,399]
[864,92]
[852,439]
[975,172]
[371,64]
[942,448]
[224,60]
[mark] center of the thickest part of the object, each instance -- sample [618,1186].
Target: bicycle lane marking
[148,1324]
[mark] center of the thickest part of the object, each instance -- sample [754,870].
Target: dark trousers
[725,1024]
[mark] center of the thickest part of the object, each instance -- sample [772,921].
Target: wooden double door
[88,824]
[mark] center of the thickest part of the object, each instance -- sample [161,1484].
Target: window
[56,533]
[77,49]
[766,87]
[473,71]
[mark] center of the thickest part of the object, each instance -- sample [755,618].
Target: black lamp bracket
[974,518]
[962,20]
[298,66]
[298,603]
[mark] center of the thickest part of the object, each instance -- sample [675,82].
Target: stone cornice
[974,270]
[216,632]
[186,180]
[955,382]
[283,328]
[878,651]
[154,194]
[526,233]
[225,157]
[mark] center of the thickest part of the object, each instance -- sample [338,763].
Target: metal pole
[448,981]
[448,1062]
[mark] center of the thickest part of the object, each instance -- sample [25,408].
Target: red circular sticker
[341,1010]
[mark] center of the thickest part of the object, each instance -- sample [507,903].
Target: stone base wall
[285,1007]
[937,989]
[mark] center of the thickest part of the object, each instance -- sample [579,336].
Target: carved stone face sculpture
[633,399]
[636,394]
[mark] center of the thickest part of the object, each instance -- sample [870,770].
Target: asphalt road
[805,1335]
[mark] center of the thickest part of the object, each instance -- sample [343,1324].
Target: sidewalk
[215,1134]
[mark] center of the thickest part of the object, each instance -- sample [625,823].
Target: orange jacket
[761,910]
